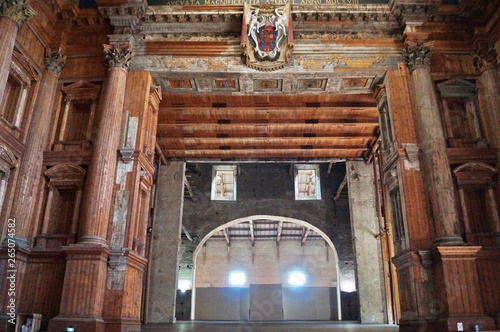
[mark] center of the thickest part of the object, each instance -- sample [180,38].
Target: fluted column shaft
[30,169]
[433,147]
[485,60]
[102,169]
[13,13]
[9,29]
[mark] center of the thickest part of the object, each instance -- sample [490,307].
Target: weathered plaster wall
[166,238]
[313,301]
[366,242]
[213,267]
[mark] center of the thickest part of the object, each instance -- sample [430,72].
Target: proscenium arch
[269,217]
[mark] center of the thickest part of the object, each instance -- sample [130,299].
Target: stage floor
[288,326]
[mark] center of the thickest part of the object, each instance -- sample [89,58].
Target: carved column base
[458,289]
[83,291]
[448,240]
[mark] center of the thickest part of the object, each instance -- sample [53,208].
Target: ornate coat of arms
[266,36]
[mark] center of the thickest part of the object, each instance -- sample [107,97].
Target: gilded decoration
[266,36]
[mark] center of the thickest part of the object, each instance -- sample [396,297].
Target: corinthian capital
[484,58]
[418,55]
[54,60]
[118,56]
[18,10]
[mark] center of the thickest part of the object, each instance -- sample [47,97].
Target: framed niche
[396,217]
[462,125]
[19,90]
[60,221]
[77,117]
[477,183]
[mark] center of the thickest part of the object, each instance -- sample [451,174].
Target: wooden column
[87,261]
[433,146]
[13,13]
[30,169]
[98,194]
[488,91]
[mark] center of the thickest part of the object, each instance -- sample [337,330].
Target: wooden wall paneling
[488,267]
[457,282]
[44,285]
[30,45]
[90,68]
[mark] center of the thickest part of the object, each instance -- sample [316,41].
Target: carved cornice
[118,56]
[54,60]
[484,58]
[18,10]
[155,97]
[65,176]
[70,12]
[417,55]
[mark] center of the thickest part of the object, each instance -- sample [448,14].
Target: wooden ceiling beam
[188,100]
[266,130]
[305,234]
[189,189]
[266,153]
[252,236]
[226,236]
[279,231]
[204,114]
[274,143]
[340,188]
